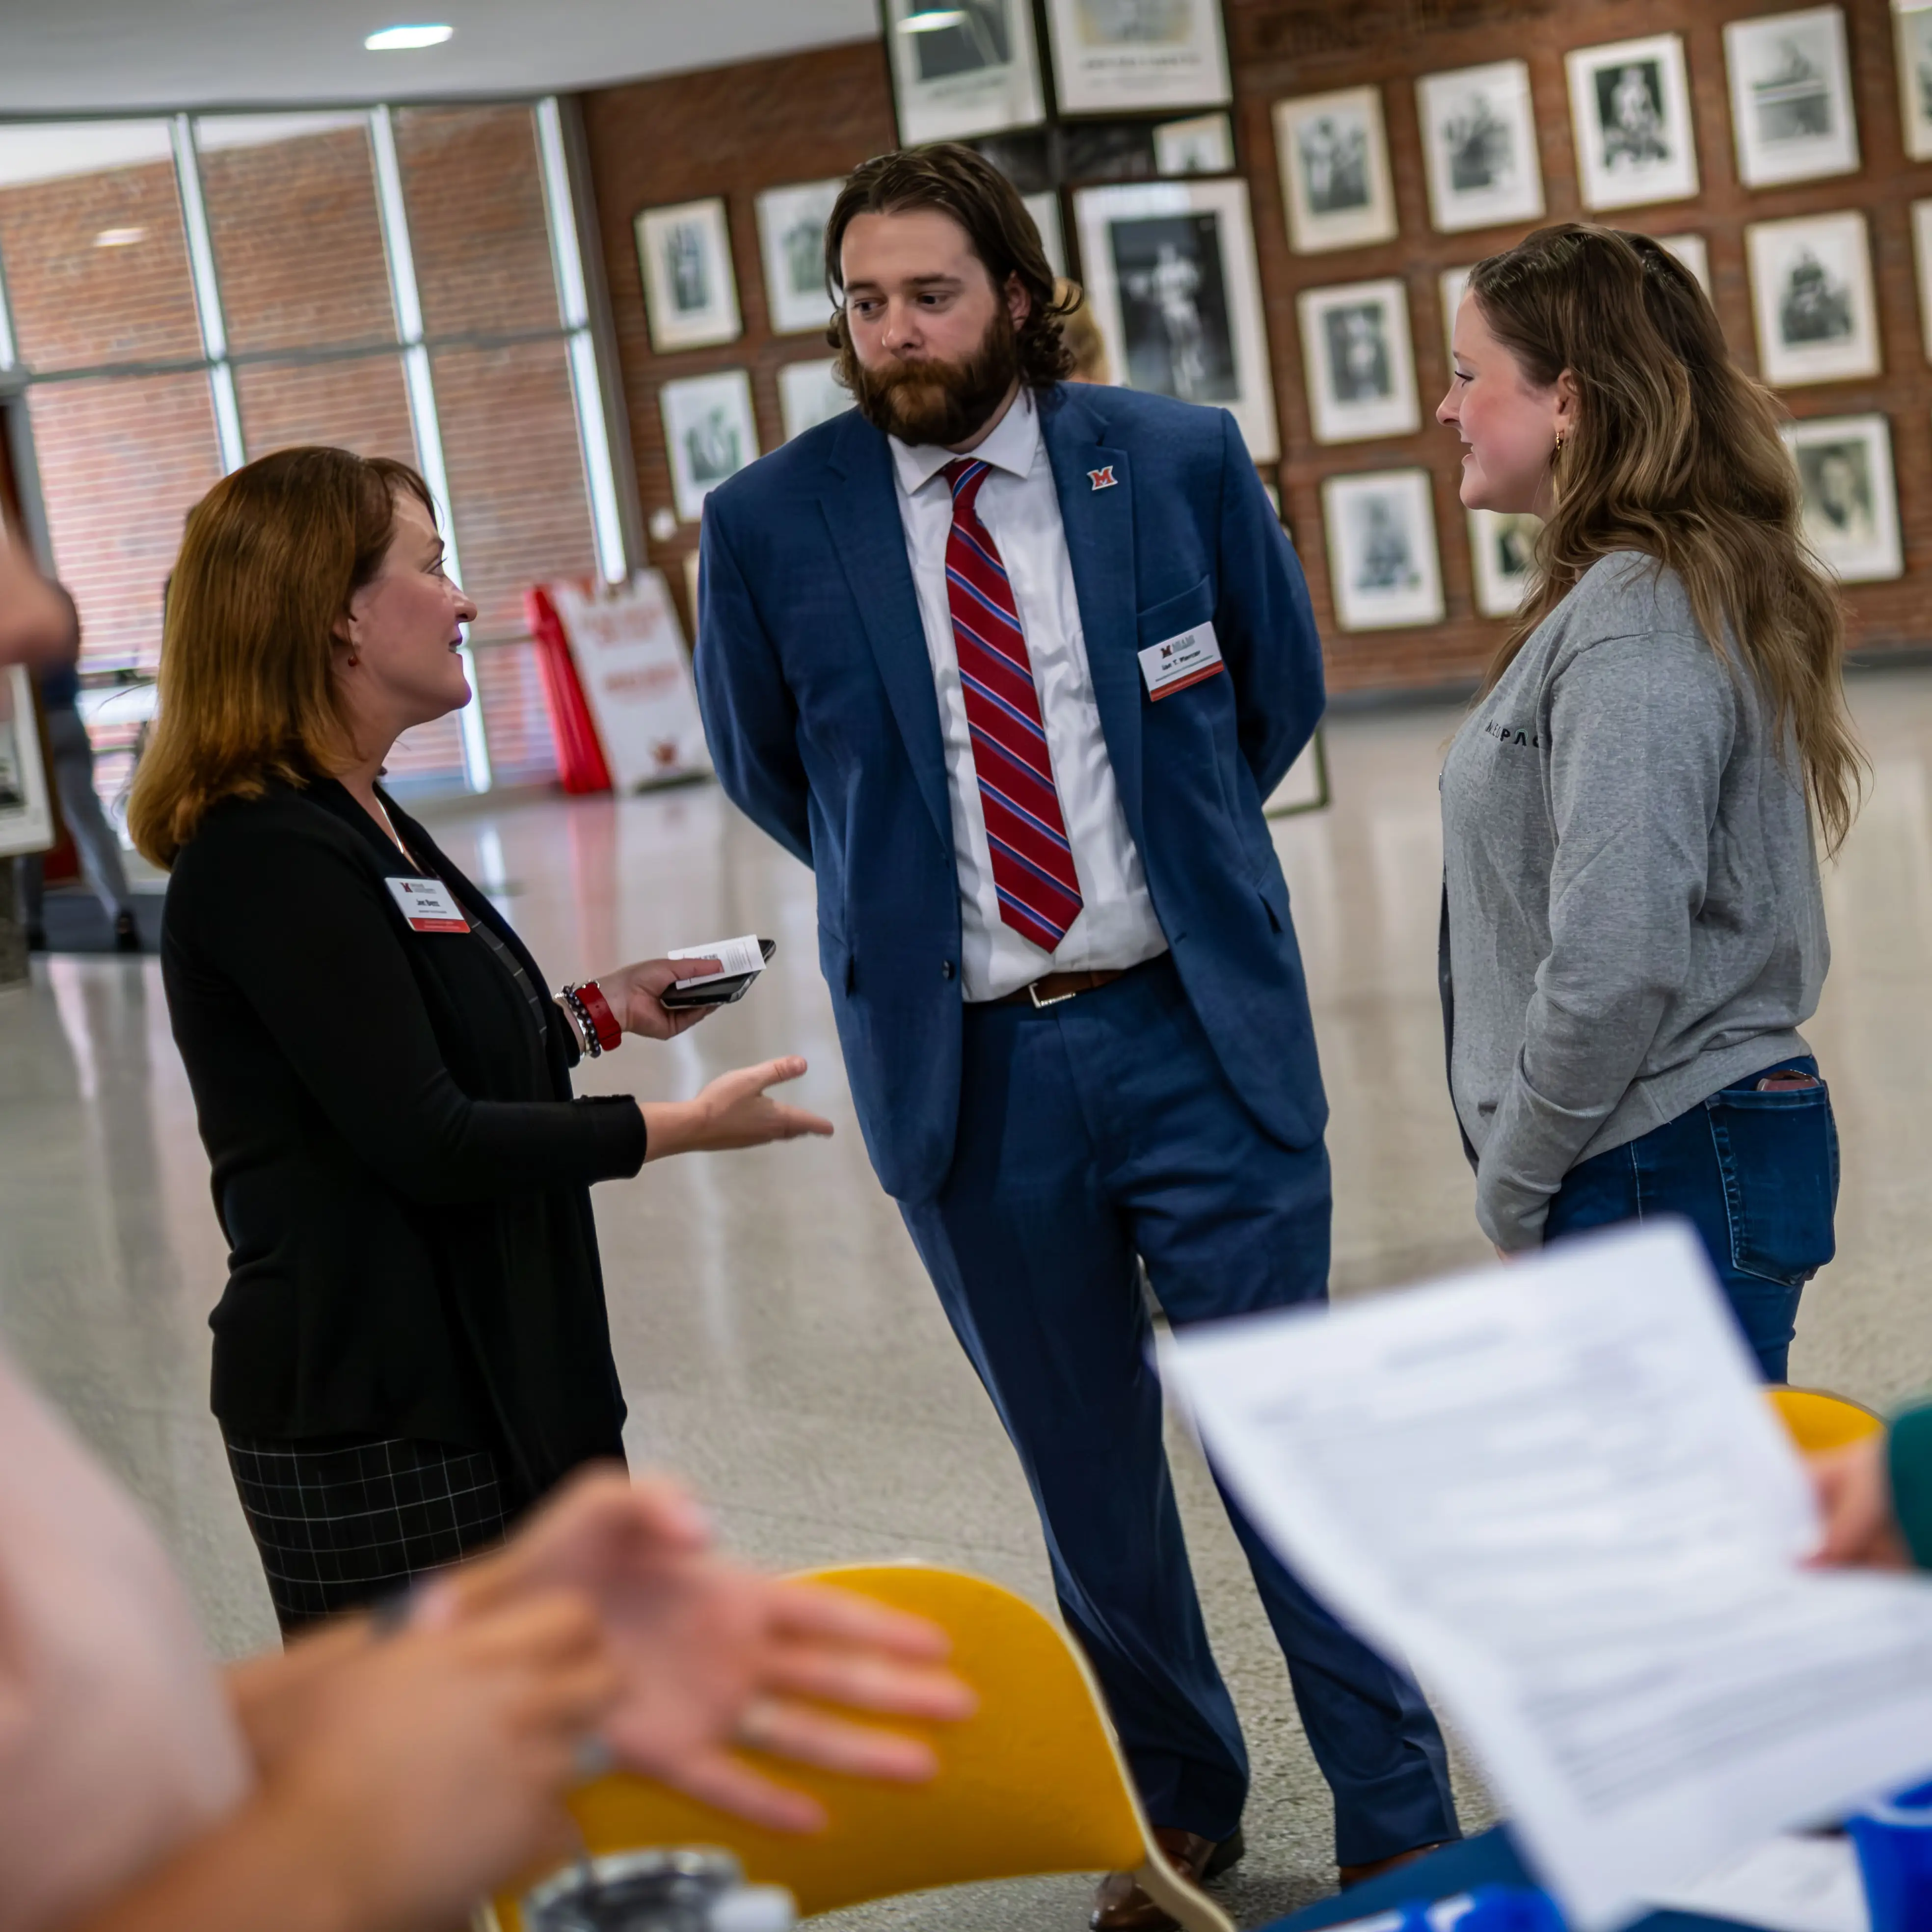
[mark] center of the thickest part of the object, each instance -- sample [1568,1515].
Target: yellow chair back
[1819,1421]
[1033,1782]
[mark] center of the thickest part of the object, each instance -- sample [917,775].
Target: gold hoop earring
[1558,450]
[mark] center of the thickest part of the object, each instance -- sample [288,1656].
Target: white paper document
[735,956]
[1556,1487]
[1789,1884]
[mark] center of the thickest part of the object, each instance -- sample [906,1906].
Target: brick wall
[299,247]
[1279,50]
[298,242]
[730,131]
[734,130]
[76,303]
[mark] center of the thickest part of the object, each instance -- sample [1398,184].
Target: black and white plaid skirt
[342,1524]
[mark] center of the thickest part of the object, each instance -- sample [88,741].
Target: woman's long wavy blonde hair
[271,556]
[1676,453]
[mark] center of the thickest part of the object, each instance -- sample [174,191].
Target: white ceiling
[90,56]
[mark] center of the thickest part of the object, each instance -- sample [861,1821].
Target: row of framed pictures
[972,67]
[1385,574]
[1791,113]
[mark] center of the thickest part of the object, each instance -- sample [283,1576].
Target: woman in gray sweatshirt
[1632,932]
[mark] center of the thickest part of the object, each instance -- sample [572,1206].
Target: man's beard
[935,402]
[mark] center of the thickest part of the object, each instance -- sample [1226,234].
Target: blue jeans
[1756,1174]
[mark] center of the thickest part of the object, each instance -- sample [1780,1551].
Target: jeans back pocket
[1778,1153]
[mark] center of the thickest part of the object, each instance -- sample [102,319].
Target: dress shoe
[1120,1905]
[1375,1867]
[126,934]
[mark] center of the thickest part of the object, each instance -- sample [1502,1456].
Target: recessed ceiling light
[930,20]
[120,238]
[391,38]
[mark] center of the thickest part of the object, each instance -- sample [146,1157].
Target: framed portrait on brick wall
[710,434]
[1502,548]
[1360,365]
[1912,49]
[1479,146]
[1171,273]
[1791,97]
[1045,209]
[791,239]
[1850,511]
[1921,249]
[1631,104]
[1382,564]
[1335,181]
[962,70]
[691,295]
[1111,56]
[26,812]
[809,393]
[1694,252]
[1811,294]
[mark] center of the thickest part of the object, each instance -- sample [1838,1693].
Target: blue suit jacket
[818,701]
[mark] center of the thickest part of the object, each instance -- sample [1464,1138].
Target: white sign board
[636,674]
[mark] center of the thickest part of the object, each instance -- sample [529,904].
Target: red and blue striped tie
[1033,863]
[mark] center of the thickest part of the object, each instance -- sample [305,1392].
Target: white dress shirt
[1018,504]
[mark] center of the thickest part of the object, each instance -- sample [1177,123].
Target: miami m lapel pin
[1102,479]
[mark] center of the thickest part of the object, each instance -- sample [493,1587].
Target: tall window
[179,296]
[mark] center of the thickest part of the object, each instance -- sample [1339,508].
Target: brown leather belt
[1058,986]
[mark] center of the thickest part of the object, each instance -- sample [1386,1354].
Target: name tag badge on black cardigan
[428,904]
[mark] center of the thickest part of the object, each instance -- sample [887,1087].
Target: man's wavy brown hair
[1676,453]
[956,181]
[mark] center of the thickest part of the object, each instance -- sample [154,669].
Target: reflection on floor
[776,1336]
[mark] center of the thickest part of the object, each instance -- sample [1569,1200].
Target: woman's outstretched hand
[734,1110]
[636,993]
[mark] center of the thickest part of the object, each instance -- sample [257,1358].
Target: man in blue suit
[1012,665]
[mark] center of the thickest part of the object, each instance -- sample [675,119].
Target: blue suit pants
[1094,1134]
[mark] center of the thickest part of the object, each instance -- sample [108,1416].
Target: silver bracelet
[586,1048]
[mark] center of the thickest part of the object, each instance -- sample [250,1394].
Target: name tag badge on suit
[1177,661]
[428,904]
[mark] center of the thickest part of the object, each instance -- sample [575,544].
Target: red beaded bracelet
[610,1034]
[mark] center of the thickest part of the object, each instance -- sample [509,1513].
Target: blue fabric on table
[1490,1858]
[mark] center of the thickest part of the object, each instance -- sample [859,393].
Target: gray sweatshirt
[1632,913]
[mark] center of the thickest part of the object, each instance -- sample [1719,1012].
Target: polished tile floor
[777,1338]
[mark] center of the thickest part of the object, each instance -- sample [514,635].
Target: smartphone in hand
[742,960]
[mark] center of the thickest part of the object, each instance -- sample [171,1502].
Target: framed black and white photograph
[1203,144]
[1451,286]
[964,70]
[791,239]
[1382,563]
[1045,209]
[710,434]
[1850,501]
[1791,97]
[1360,365]
[1694,253]
[26,812]
[1502,548]
[1811,293]
[1631,104]
[1335,180]
[1170,270]
[1911,32]
[809,393]
[1479,147]
[691,295]
[1112,55]
[1921,248]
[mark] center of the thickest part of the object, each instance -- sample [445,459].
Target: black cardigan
[399,1168]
